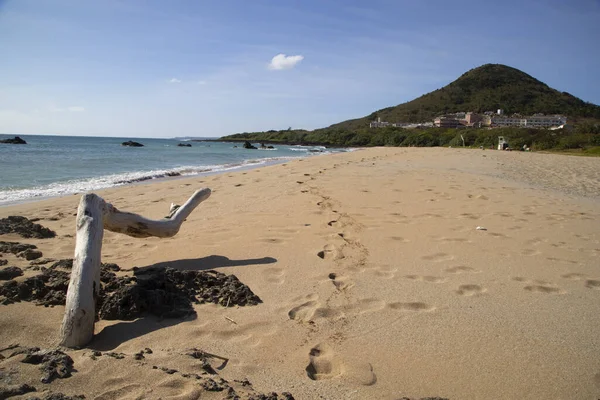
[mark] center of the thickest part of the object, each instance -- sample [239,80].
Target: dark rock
[270,147]
[139,356]
[55,364]
[6,392]
[118,356]
[41,261]
[131,143]
[66,263]
[184,145]
[15,247]
[148,350]
[248,145]
[169,293]
[9,273]
[211,386]
[24,227]
[60,396]
[30,254]
[271,396]
[172,174]
[15,140]
[47,289]
[3,262]
[169,371]
[164,292]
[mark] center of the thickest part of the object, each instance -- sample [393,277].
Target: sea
[51,166]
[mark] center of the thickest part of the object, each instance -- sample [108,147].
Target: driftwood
[93,216]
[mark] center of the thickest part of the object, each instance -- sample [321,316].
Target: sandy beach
[374,279]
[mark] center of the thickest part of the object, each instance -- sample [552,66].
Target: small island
[15,140]
[131,143]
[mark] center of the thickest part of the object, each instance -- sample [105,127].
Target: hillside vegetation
[489,87]
[486,88]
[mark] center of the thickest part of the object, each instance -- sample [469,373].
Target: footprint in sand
[426,278]
[539,286]
[470,290]
[386,273]
[330,252]
[414,306]
[274,275]
[545,288]
[304,312]
[573,276]
[461,269]
[341,282]
[592,284]
[323,364]
[438,257]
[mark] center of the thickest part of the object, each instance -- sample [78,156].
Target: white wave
[102,182]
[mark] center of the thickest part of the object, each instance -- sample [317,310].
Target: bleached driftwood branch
[93,216]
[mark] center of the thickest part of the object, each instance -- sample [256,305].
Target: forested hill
[486,88]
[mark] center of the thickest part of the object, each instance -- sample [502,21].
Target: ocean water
[49,166]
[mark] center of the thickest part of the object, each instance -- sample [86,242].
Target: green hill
[486,88]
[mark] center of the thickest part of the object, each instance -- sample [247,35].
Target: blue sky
[206,68]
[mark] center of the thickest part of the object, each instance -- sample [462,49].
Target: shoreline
[149,179]
[360,259]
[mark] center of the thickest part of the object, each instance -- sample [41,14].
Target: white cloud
[281,61]
[76,109]
[174,80]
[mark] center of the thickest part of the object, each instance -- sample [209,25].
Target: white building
[534,121]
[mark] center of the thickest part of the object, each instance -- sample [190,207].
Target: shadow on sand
[113,336]
[210,262]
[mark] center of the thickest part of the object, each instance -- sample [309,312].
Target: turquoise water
[49,166]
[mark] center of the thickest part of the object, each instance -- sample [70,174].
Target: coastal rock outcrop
[15,140]
[24,227]
[184,145]
[131,143]
[248,145]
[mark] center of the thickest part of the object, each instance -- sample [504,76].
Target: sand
[375,282]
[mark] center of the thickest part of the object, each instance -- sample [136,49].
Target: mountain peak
[485,88]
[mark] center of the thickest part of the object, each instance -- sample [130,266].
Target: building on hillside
[378,123]
[447,122]
[534,121]
[546,121]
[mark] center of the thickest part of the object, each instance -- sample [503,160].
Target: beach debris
[93,216]
[24,227]
[10,273]
[481,228]
[230,320]
[55,363]
[204,357]
[15,248]
[139,356]
[11,391]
